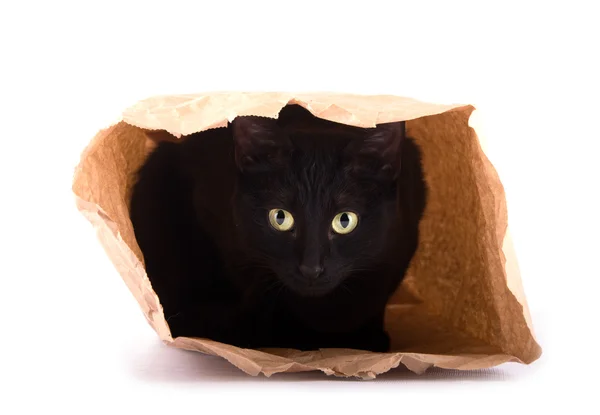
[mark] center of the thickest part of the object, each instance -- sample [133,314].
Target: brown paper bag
[461,305]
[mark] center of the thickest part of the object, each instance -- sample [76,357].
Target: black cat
[289,232]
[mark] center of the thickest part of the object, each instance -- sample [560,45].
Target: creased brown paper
[461,306]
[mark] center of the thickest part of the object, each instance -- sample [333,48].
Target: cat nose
[311,272]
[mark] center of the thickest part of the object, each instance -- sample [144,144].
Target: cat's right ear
[260,144]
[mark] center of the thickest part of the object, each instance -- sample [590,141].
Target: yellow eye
[344,222]
[280,219]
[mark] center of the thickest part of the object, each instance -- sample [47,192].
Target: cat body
[280,233]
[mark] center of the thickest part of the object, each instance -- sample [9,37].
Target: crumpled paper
[461,305]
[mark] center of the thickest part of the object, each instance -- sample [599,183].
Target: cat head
[316,201]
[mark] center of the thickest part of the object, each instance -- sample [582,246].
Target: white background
[73,338]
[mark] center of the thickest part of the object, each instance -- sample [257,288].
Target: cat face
[315,201]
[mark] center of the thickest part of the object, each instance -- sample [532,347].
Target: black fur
[200,215]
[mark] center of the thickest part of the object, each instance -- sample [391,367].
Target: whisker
[345,287]
[282,288]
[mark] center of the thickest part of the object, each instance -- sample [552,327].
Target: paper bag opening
[461,305]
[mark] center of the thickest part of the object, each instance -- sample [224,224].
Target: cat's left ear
[378,155]
[260,144]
